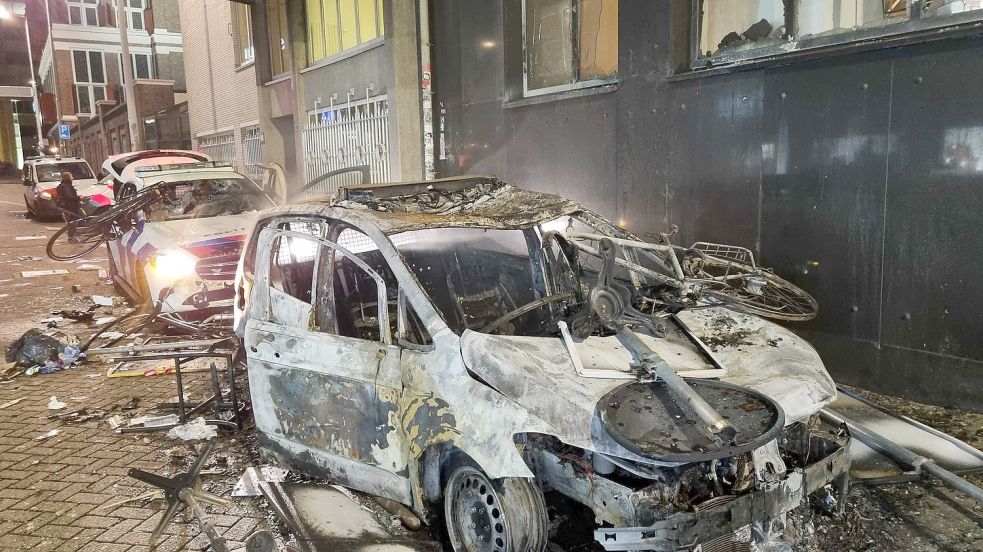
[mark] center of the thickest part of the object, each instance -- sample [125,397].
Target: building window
[334,26]
[90,80]
[142,66]
[276,20]
[83,12]
[569,44]
[739,30]
[134,14]
[242,29]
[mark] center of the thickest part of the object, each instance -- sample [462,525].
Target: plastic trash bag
[33,349]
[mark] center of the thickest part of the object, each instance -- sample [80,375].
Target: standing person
[68,199]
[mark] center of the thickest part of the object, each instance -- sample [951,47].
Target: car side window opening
[292,273]
[353,311]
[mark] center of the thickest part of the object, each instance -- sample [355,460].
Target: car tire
[502,515]
[30,212]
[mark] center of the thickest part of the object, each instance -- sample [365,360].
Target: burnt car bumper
[686,530]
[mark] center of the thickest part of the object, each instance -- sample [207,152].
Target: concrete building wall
[222,96]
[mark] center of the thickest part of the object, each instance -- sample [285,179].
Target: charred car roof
[462,202]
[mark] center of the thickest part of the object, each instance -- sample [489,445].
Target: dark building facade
[845,153]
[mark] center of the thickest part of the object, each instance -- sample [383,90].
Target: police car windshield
[51,172]
[208,197]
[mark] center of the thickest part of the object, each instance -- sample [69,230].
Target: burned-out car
[463,347]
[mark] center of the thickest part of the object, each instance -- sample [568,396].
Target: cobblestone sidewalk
[54,492]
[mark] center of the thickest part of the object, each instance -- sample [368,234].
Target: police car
[41,178]
[183,248]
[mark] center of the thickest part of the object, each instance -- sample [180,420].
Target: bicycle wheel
[752,290]
[87,236]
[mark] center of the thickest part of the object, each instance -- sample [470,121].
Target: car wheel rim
[476,513]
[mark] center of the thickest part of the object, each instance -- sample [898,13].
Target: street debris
[248,484]
[155,421]
[47,435]
[116,421]
[88,268]
[197,429]
[8,404]
[55,404]
[102,300]
[76,288]
[38,273]
[79,416]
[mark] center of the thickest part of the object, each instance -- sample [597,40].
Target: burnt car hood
[538,374]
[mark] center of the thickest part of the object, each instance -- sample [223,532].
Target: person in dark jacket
[68,199]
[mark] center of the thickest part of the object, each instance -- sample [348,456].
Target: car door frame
[370,453]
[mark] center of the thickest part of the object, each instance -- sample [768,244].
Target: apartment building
[82,64]
[220,70]
[340,85]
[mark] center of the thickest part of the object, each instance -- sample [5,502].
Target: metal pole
[655,364]
[54,74]
[903,456]
[34,88]
[136,134]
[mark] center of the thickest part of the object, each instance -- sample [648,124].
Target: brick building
[221,81]
[81,64]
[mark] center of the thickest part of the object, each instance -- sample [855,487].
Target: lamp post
[4,14]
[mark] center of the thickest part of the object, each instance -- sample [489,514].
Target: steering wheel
[525,309]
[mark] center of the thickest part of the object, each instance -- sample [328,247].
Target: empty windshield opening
[474,276]
[208,197]
[51,172]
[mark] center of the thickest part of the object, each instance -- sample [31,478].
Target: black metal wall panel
[933,291]
[715,160]
[824,143]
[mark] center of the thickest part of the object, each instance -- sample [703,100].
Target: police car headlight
[172,265]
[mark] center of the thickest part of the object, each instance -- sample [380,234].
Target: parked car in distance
[120,171]
[188,242]
[41,178]
[413,341]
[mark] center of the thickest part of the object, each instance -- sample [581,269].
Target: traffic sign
[64,132]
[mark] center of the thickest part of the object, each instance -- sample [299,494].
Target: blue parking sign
[64,132]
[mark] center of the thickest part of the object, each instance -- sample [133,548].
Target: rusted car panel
[382,413]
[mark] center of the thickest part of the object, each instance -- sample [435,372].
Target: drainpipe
[426,94]
[136,131]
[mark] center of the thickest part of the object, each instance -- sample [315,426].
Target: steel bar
[904,457]
[655,364]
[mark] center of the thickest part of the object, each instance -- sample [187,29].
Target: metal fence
[347,135]
[252,152]
[220,147]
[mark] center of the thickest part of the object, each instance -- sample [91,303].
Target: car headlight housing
[172,266]
[48,194]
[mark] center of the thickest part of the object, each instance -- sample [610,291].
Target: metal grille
[220,147]
[341,136]
[252,152]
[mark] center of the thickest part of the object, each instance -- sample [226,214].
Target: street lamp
[5,14]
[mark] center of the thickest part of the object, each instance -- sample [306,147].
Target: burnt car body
[385,353]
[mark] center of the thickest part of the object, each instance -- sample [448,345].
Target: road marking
[10,203]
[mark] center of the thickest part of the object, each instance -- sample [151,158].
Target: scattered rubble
[197,429]
[55,404]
